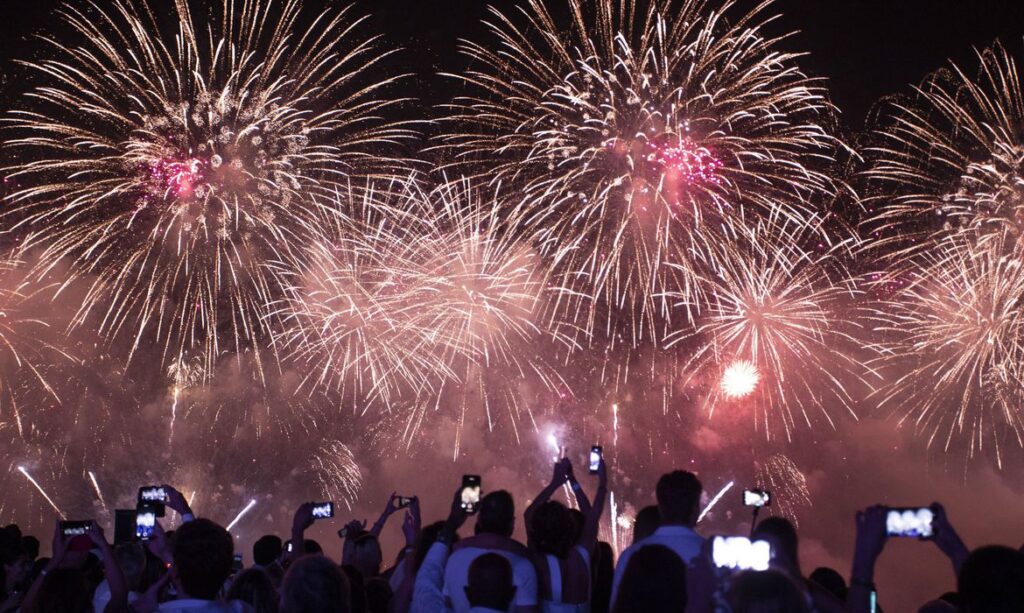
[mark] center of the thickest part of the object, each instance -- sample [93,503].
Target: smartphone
[75,528]
[342,533]
[236,563]
[155,496]
[912,522]
[145,522]
[323,510]
[740,553]
[595,458]
[288,547]
[757,498]
[403,501]
[470,493]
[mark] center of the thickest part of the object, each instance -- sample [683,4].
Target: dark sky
[866,48]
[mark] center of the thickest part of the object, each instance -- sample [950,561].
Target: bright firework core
[739,379]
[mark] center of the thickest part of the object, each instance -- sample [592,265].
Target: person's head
[31,546]
[311,547]
[678,494]
[831,580]
[551,529]
[497,514]
[14,564]
[646,522]
[768,591]
[64,590]
[427,537]
[266,550]
[378,595]
[203,554]
[781,535]
[254,587]
[131,558]
[654,580]
[992,579]
[365,554]
[314,584]
[490,583]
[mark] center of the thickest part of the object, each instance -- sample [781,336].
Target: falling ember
[739,379]
[42,491]
[241,514]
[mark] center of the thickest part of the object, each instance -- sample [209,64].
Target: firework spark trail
[41,491]
[614,523]
[96,488]
[787,485]
[241,514]
[715,500]
[639,135]
[615,425]
[165,170]
[948,162]
[777,334]
[957,326]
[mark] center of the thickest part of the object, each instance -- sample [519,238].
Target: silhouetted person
[491,584]
[254,587]
[653,580]
[831,580]
[992,580]
[781,534]
[769,591]
[314,584]
[678,495]
[646,522]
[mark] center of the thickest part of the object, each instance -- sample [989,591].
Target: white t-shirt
[187,605]
[456,577]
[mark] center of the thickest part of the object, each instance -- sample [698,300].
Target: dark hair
[783,538]
[654,580]
[254,587]
[678,494]
[768,591]
[378,595]
[602,572]
[647,521]
[356,587]
[309,546]
[992,580]
[365,553]
[64,590]
[203,555]
[131,557]
[831,580]
[314,584]
[30,545]
[490,582]
[497,514]
[578,521]
[266,550]
[551,529]
[427,537]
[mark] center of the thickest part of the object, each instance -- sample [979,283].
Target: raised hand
[176,500]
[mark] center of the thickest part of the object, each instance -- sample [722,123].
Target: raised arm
[302,520]
[389,510]
[869,544]
[947,539]
[588,539]
[577,489]
[558,477]
[111,570]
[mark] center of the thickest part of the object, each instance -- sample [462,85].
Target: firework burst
[954,337]
[774,336]
[638,132]
[787,485]
[167,165]
[949,161]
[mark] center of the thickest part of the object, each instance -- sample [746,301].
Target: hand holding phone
[71,529]
[757,498]
[914,522]
[470,493]
[595,459]
[323,510]
[155,497]
[740,553]
[145,522]
[402,502]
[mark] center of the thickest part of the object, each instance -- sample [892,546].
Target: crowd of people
[562,567]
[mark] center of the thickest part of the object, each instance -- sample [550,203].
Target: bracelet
[576,486]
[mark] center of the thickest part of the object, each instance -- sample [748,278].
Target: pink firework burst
[177,177]
[687,162]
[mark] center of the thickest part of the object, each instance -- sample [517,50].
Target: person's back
[314,584]
[563,570]
[781,534]
[768,591]
[678,495]
[653,580]
[495,524]
[992,580]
